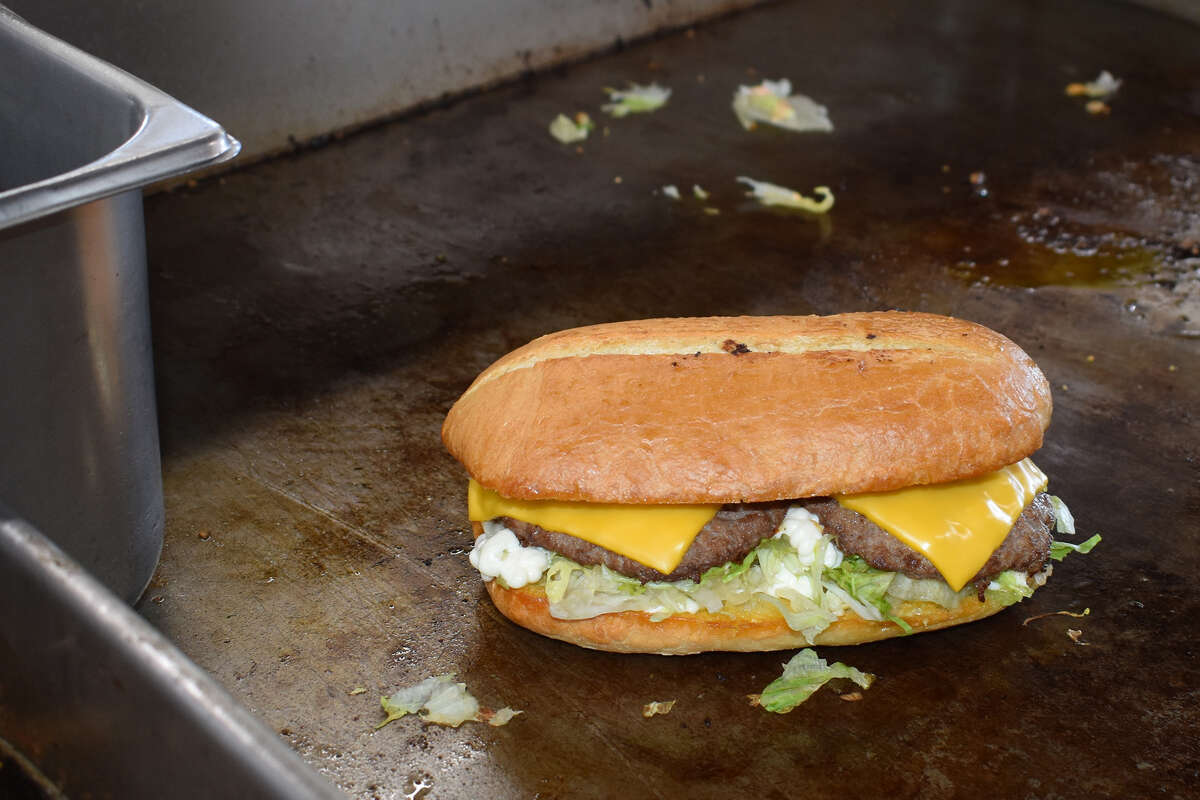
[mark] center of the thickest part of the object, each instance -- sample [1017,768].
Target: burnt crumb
[734,348]
[870,336]
[674,363]
[1187,248]
[696,355]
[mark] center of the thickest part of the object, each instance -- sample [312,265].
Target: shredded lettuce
[579,592]
[409,700]
[450,704]
[442,701]
[772,102]
[868,587]
[770,194]
[773,572]
[500,717]
[864,583]
[803,615]
[656,707]
[567,130]
[803,675]
[636,99]
[1010,587]
[731,569]
[1060,550]
[440,698]
[926,590]
[1064,521]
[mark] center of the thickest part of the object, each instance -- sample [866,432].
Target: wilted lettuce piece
[568,130]
[442,701]
[410,699]
[636,99]
[657,707]
[927,590]
[1009,587]
[450,703]
[772,102]
[770,194]
[867,589]
[1064,521]
[1105,85]
[1060,550]
[864,583]
[802,675]
[699,192]
[501,717]
[671,191]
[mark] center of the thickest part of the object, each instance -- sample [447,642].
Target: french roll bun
[749,409]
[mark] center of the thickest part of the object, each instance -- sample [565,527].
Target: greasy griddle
[315,317]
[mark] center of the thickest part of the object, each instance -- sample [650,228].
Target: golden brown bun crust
[758,628]
[736,409]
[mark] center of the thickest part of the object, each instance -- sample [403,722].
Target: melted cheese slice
[654,535]
[956,525]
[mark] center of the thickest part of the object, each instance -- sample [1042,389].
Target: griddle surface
[315,317]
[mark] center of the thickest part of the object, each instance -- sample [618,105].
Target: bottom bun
[748,628]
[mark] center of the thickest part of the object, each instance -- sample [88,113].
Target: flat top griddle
[315,317]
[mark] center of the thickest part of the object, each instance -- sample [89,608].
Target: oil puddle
[1039,252]
[1033,265]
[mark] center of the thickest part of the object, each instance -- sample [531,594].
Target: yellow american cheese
[956,525]
[654,535]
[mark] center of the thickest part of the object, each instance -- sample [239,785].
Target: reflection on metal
[105,706]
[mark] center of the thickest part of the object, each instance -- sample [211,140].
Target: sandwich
[757,483]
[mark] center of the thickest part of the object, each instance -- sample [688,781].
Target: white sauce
[803,529]
[499,554]
[786,581]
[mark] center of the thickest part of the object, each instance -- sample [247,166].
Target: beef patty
[739,528]
[729,536]
[1026,547]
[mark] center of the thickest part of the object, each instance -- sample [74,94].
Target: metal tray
[106,707]
[80,454]
[93,700]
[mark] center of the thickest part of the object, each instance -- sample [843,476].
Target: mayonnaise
[784,582]
[803,529]
[499,554]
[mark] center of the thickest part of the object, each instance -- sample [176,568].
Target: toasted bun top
[747,409]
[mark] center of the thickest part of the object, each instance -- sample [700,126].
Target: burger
[757,483]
